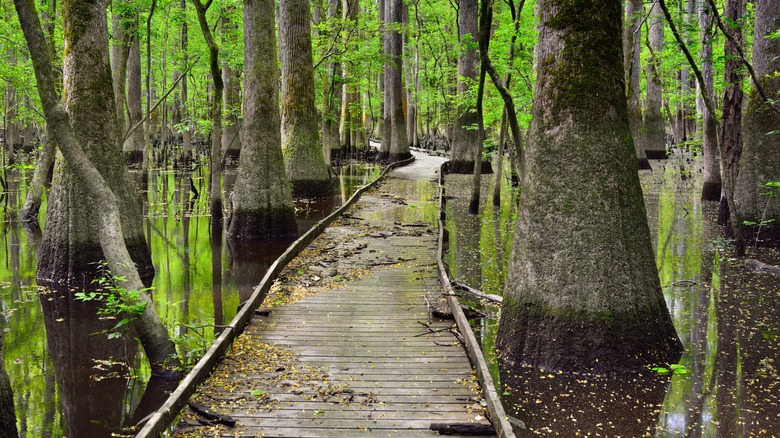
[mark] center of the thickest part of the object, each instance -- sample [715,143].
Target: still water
[68,377]
[728,317]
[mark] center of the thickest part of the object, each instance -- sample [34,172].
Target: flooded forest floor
[726,314]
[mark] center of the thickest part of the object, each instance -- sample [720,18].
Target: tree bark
[760,161]
[215,154]
[387,118]
[304,163]
[632,49]
[124,34]
[186,137]
[731,128]
[231,97]
[106,201]
[70,246]
[399,142]
[711,187]
[331,114]
[261,203]
[466,135]
[583,292]
[654,132]
[134,144]
[32,203]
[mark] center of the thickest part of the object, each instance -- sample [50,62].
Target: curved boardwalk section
[353,350]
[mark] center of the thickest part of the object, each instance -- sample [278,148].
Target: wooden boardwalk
[361,357]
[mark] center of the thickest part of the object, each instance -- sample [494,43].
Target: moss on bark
[582,275]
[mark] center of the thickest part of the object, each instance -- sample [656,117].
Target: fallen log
[477,292]
[468,429]
[762,267]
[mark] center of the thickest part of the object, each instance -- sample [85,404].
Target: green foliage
[115,301]
[675,369]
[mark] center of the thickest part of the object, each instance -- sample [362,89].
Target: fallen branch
[762,267]
[212,416]
[468,429]
[478,293]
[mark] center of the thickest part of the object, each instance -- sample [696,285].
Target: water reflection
[725,314]
[197,288]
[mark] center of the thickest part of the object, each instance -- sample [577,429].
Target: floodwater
[727,316]
[69,377]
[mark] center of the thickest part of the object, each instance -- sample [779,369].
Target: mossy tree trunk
[304,163]
[70,246]
[465,137]
[632,50]
[261,203]
[113,211]
[399,142]
[653,131]
[760,161]
[583,292]
[711,187]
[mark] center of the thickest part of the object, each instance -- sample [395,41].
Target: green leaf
[257,392]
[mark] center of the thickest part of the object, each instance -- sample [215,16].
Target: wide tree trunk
[465,136]
[261,203]
[583,292]
[304,163]
[711,186]
[760,163]
[109,210]
[632,49]
[653,134]
[70,247]
[399,142]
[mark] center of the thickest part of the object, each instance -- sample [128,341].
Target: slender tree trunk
[331,114]
[731,128]
[261,203]
[387,120]
[215,155]
[304,163]
[711,187]
[562,310]
[32,203]
[632,49]
[399,142]
[654,132]
[231,98]
[124,33]
[186,141]
[760,163]
[134,145]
